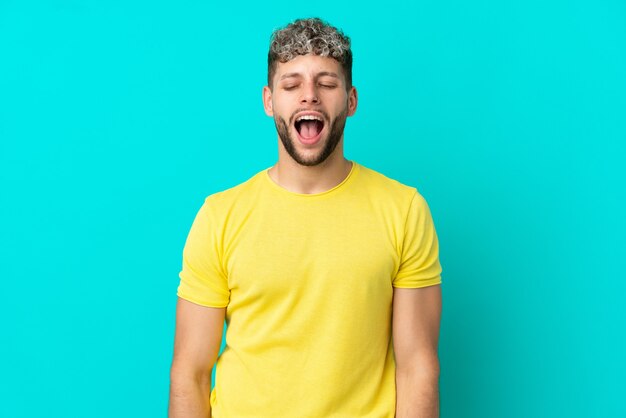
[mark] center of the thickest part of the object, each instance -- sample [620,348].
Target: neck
[297,178]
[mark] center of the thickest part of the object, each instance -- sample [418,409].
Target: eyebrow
[320,74]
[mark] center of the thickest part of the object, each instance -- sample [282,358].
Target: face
[309,103]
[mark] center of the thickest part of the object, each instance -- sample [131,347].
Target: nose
[309,94]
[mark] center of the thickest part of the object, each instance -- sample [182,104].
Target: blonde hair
[309,36]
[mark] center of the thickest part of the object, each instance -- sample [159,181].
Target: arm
[196,347]
[415,324]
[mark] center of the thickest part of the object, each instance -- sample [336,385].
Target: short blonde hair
[309,36]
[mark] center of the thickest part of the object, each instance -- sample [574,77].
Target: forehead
[308,66]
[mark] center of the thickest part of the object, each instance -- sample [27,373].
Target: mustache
[293,115]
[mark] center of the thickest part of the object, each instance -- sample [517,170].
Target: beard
[334,136]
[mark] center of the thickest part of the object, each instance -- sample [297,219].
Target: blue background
[117,119]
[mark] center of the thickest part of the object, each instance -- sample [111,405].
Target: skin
[304,84]
[415,330]
[197,341]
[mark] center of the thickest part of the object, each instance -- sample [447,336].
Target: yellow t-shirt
[307,280]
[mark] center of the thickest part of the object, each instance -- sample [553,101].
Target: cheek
[340,102]
[279,108]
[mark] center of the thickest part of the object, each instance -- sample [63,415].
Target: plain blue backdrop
[117,118]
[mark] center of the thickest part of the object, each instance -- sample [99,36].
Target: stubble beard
[334,136]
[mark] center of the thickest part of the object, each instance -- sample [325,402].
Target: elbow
[182,376]
[424,366]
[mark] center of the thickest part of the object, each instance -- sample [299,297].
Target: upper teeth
[308,117]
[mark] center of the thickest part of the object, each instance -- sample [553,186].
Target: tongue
[309,129]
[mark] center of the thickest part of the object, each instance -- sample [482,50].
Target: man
[326,272]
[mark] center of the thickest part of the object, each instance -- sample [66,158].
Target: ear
[267,101]
[352,101]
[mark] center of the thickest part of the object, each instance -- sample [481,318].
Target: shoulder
[383,187]
[223,201]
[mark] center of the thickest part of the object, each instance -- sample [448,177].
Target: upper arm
[415,326]
[197,340]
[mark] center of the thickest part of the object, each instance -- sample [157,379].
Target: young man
[326,272]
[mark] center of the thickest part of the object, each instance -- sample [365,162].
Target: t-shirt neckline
[342,185]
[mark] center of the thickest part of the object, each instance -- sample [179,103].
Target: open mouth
[309,127]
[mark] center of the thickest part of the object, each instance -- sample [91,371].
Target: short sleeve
[419,260]
[202,279]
